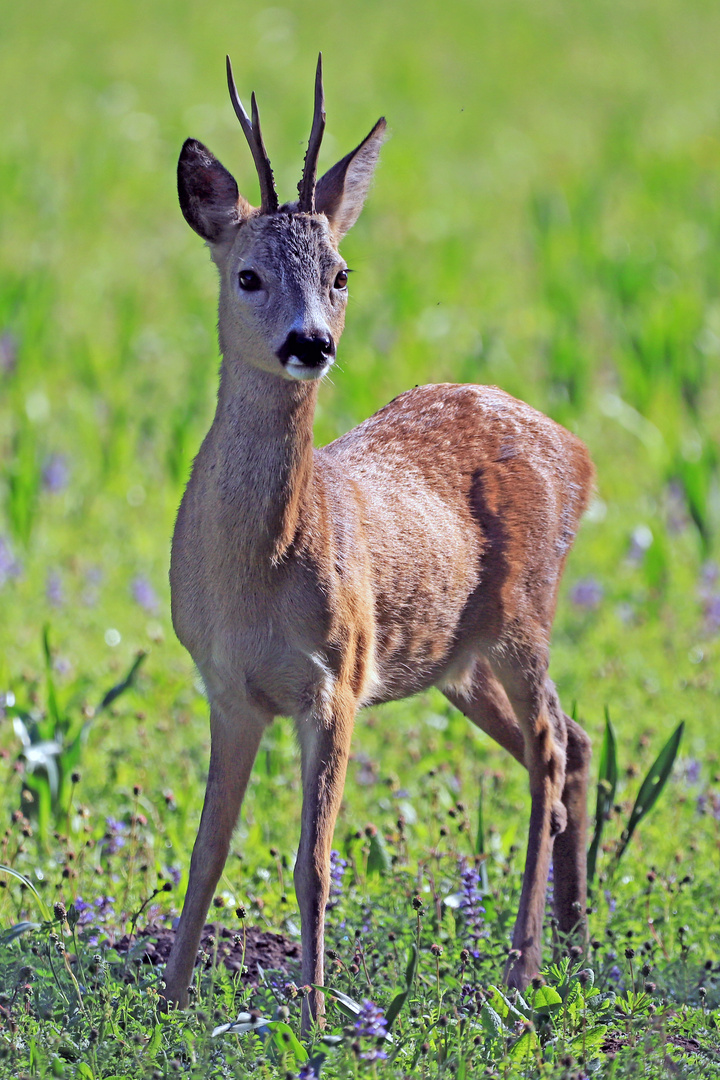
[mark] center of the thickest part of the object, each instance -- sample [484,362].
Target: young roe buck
[424,548]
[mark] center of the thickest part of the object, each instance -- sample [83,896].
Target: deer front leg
[234,744]
[325,746]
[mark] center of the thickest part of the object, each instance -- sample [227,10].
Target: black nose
[312,350]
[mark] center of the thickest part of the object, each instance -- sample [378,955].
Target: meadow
[546,217]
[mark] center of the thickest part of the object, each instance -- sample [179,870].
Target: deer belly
[268,674]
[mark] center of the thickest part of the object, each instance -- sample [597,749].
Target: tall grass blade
[607,782]
[53,710]
[125,684]
[399,1000]
[480,841]
[651,788]
[44,909]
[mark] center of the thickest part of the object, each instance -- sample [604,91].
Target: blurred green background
[546,217]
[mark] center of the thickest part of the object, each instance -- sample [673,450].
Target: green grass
[546,217]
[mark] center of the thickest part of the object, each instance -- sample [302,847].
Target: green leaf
[607,783]
[345,1003]
[53,709]
[506,1008]
[492,1022]
[245,1022]
[526,1045]
[378,860]
[285,1039]
[651,787]
[480,838]
[29,885]
[399,1000]
[480,841]
[17,930]
[545,1000]
[155,1041]
[125,684]
[593,1040]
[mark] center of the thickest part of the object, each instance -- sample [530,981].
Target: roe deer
[424,548]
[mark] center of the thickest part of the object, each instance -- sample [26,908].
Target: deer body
[425,547]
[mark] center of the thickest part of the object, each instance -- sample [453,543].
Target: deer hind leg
[234,744]
[325,747]
[543,725]
[486,704]
[569,851]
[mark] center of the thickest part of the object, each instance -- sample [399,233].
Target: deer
[423,548]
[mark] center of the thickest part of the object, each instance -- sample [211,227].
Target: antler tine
[306,187]
[253,134]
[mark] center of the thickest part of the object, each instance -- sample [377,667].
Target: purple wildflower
[710,573]
[114,838]
[174,874]
[8,352]
[91,592]
[550,888]
[614,973]
[610,901]
[371,1024]
[711,611]
[55,474]
[470,905]
[678,518]
[144,594]
[92,916]
[709,803]
[9,566]
[307,1071]
[54,589]
[691,768]
[587,593]
[338,865]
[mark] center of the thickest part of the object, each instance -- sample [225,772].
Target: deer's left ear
[341,192]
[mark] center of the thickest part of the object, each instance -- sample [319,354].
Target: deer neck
[263,459]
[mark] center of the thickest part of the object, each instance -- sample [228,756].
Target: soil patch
[152,945]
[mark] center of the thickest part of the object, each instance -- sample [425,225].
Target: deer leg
[234,744]
[487,705]
[325,747]
[569,851]
[543,725]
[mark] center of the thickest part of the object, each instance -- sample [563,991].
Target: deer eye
[249,281]
[341,280]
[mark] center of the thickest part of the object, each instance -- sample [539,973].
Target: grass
[546,217]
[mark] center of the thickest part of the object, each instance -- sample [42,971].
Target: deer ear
[209,197]
[341,192]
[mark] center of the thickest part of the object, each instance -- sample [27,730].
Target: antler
[253,134]
[306,187]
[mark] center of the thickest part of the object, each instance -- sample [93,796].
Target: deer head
[283,283]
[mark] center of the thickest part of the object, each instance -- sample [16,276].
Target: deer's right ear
[209,197]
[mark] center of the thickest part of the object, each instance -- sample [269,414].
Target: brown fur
[425,547]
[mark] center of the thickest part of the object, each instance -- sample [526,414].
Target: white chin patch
[297,370]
